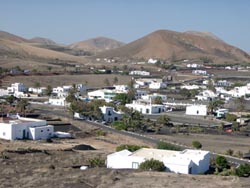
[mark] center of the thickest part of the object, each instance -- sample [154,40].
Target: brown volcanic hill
[25,51]
[43,41]
[11,37]
[165,44]
[97,44]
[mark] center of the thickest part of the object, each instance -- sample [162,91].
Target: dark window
[41,130]
[47,129]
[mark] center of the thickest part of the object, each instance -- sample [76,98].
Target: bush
[196,144]
[3,155]
[243,170]
[221,162]
[152,165]
[96,162]
[230,117]
[168,146]
[101,133]
[131,148]
[230,152]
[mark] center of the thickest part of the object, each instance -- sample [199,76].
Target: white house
[13,128]
[240,91]
[121,88]
[199,110]
[185,162]
[154,96]
[146,108]
[39,90]
[190,87]
[152,61]
[56,101]
[105,94]
[17,87]
[157,85]
[110,115]
[139,72]
[199,72]
[206,95]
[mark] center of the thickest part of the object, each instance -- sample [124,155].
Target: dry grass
[93,80]
[215,143]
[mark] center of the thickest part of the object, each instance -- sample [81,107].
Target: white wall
[123,162]
[6,131]
[43,132]
[199,110]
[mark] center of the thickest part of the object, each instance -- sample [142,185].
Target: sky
[70,21]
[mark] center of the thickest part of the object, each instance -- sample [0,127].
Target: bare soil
[92,80]
[214,143]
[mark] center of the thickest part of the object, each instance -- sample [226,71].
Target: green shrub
[152,165]
[101,133]
[168,146]
[196,144]
[221,162]
[243,170]
[230,117]
[96,162]
[131,148]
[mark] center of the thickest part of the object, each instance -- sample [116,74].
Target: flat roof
[158,154]
[10,120]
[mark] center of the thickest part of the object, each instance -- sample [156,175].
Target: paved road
[60,112]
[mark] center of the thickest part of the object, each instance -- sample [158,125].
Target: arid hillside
[171,45]
[97,44]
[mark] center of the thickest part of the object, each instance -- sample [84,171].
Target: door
[24,134]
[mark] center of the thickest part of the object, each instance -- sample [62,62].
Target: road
[61,113]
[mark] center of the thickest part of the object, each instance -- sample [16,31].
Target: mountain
[167,45]
[42,41]
[11,37]
[97,44]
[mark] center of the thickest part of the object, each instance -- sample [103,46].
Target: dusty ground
[92,80]
[215,143]
[52,166]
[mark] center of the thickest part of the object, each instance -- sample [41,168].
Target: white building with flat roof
[146,108]
[110,115]
[17,87]
[185,162]
[14,128]
[197,110]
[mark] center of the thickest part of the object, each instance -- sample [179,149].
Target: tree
[240,103]
[168,146]
[196,144]
[96,162]
[212,105]
[230,117]
[49,68]
[10,99]
[163,120]
[22,105]
[115,80]
[158,100]
[106,82]
[221,162]
[48,91]
[210,85]
[243,170]
[230,152]
[37,84]
[152,165]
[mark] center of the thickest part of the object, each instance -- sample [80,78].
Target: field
[57,165]
[214,143]
[92,80]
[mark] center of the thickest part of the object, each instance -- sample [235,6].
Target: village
[146,106]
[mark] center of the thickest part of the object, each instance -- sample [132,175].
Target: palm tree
[22,105]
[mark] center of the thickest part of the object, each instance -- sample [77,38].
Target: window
[3,133]
[197,112]
[47,129]
[147,111]
[135,165]
[41,131]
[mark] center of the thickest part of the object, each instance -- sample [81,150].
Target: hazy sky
[69,21]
